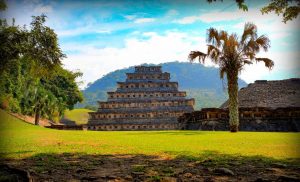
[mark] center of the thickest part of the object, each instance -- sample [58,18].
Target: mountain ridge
[200,82]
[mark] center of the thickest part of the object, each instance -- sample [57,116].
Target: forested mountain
[200,82]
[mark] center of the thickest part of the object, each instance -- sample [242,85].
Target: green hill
[200,82]
[79,116]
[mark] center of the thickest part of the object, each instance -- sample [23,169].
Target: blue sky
[102,36]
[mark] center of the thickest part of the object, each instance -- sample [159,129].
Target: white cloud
[94,62]
[285,64]
[172,12]
[211,17]
[82,30]
[187,20]
[43,9]
[144,20]
[149,34]
[136,19]
[130,17]
[270,22]
[103,31]
[222,16]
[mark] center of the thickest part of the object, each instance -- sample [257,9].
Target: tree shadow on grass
[209,166]
[3,154]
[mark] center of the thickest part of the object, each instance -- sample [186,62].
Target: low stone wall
[67,127]
[271,124]
[133,127]
[119,127]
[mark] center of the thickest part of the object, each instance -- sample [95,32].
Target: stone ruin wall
[270,94]
[251,119]
[264,106]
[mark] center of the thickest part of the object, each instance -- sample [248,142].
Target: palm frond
[214,53]
[251,46]
[250,30]
[194,54]
[250,55]
[247,62]
[268,62]
[213,37]
[263,42]
[233,39]
[223,35]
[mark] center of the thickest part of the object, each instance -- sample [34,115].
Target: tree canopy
[32,79]
[289,9]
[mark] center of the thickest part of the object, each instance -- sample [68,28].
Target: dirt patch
[80,167]
[8,173]
[30,119]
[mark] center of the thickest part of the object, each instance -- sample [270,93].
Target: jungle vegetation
[32,79]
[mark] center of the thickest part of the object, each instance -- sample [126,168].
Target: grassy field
[80,116]
[52,155]
[19,139]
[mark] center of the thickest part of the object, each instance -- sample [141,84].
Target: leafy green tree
[50,96]
[43,46]
[40,102]
[91,107]
[288,8]
[232,53]
[44,51]
[241,4]
[32,79]
[62,83]
[12,47]
[2,5]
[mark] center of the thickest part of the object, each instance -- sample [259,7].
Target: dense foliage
[32,80]
[289,9]
[208,90]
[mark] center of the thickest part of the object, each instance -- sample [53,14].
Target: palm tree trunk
[37,116]
[233,102]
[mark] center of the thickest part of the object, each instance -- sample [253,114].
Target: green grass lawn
[20,140]
[80,116]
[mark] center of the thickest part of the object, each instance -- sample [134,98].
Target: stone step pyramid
[147,100]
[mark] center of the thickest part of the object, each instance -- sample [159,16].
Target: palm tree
[231,53]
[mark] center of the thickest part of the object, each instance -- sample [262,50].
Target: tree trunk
[233,102]
[37,116]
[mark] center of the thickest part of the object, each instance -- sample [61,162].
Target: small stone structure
[270,94]
[263,106]
[147,100]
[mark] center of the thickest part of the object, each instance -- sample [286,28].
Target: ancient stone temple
[263,106]
[270,94]
[147,100]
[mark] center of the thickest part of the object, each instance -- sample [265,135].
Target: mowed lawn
[80,116]
[20,140]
